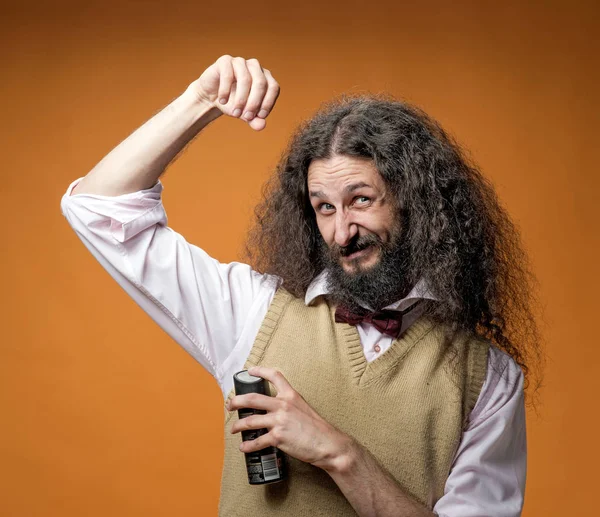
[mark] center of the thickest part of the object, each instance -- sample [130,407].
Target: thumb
[257,123]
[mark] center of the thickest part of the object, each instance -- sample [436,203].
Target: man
[391,311]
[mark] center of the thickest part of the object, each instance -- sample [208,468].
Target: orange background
[101,412]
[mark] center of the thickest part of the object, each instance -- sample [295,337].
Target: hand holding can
[267,465]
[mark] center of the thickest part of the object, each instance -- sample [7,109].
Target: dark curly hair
[461,241]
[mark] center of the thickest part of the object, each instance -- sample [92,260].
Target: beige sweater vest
[408,407]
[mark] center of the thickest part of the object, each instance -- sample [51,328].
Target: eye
[362,200]
[326,207]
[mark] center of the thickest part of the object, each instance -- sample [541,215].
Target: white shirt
[214,311]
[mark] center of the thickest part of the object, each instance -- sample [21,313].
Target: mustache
[358,243]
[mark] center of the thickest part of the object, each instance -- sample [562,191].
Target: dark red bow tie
[386,321]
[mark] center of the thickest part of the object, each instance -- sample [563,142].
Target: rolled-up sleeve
[204,305]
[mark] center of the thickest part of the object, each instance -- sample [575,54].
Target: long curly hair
[461,241]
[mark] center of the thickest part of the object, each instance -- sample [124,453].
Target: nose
[345,229]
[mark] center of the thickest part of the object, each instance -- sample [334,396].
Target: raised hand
[239,88]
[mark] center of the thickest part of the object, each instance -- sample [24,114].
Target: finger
[270,97]
[263,441]
[274,376]
[243,82]
[252,422]
[254,401]
[226,78]
[257,91]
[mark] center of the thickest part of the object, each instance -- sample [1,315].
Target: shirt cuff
[125,215]
[157,188]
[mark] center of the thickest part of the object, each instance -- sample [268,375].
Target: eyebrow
[347,190]
[356,186]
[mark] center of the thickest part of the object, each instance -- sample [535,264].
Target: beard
[376,286]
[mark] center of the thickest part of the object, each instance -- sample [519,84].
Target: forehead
[338,171]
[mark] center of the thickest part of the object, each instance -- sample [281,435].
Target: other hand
[239,88]
[294,427]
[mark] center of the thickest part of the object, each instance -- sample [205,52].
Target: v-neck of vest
[364,371]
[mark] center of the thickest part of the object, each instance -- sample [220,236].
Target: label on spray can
[266,465]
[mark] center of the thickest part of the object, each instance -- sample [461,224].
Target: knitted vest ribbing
[408,407]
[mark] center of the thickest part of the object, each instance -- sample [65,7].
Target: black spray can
[269,464]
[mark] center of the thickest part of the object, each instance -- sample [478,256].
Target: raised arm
[211,309]
[235,87]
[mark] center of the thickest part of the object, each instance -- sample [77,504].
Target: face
[354,212]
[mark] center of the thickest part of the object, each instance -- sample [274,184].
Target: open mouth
[359,253]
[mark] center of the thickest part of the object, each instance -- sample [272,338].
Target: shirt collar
[318,287]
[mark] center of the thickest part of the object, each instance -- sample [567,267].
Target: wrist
[200,105]
[343,456]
